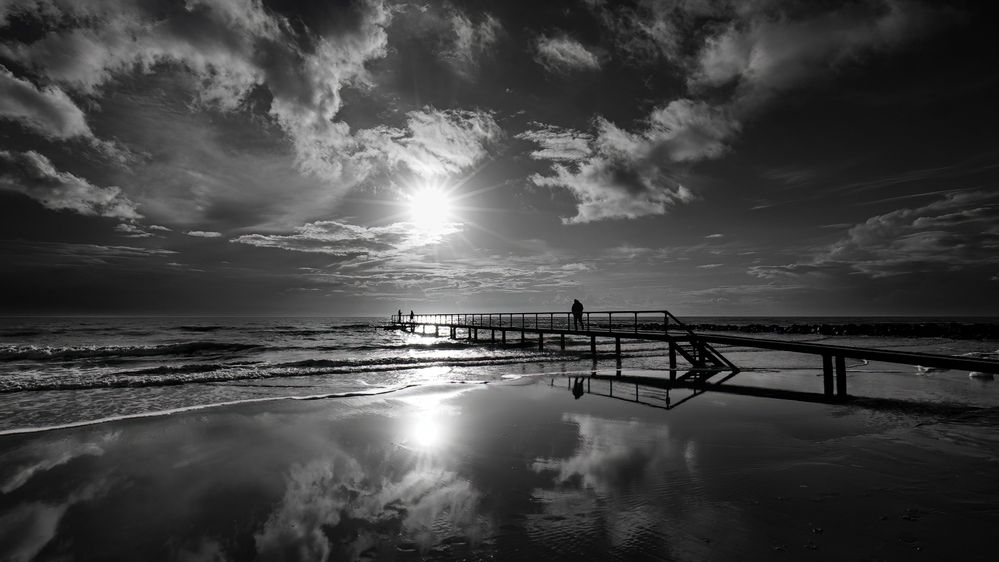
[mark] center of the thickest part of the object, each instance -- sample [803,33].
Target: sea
[69,371]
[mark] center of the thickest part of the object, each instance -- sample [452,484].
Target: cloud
[132,230]
[471,41]
[345,240]
[47,111]
[629,175]
[34,175]
[762,49]
[229,49]
[203,234]
[766,52]
[24,463]
[434,143]
[952,233]
[564,54]
[558,144]
[381,509]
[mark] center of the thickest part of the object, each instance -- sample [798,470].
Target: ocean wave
[43,352]
[183,409]
[229,372]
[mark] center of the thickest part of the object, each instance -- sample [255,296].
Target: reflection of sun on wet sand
[522,470]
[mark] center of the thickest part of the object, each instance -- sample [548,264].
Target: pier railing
[659,321]
[661,325]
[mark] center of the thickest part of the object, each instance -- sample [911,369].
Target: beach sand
[512,471]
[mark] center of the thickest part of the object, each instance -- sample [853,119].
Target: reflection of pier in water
[682,344]
[627,387]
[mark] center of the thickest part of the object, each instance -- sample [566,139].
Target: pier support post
[672,355]
[492,336]
[562,342]
[475,334]
[435,331]
[541,340]
[503,336]
[593,346]
[523,336]
[827,375]
[617,353]
[840,376]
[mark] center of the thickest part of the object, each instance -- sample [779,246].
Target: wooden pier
[661,325]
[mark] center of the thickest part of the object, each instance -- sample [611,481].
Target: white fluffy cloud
[471,41]
[435,142]
[230,48]
[48,111]
[762,50]
[204,234]
[34,175]
[558,144]
[563,54]
[628,175]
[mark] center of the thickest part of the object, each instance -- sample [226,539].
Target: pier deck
[661,325]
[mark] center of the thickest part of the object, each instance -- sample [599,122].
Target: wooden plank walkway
[660,325]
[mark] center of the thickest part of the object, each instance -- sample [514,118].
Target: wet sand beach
[513,471]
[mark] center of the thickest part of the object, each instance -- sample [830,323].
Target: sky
[344,158]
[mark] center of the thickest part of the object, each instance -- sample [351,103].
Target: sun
[430,207]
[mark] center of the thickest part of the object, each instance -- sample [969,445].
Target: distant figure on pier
[399,316]
[410,315]
[577,387]
[577,314]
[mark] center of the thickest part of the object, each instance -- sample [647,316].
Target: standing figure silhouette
[577,314]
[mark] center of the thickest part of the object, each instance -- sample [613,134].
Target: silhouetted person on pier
[577,314]
[410,315]
[577,388]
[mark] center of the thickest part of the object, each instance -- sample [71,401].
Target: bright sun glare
[427,431]
[430,207]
